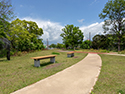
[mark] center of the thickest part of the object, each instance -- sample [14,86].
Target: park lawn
[112,76]
[94,50]
[20,71]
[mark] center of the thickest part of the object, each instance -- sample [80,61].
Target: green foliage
[100,41]
[121,91]
[19,53]
[3,52]
[23,35]
[56,53]
[6,12]
[59,46]
[86,44]
[122,52]
[114,14]
[1,44]
[52,46]
[72,36]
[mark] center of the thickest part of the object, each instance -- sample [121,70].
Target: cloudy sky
[53,15]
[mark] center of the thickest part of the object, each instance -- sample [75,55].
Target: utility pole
[89,36]
[47,43]
[90,39]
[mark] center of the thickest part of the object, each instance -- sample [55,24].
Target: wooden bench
[70,54]
[37,59]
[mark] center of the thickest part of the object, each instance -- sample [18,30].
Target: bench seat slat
[70,52]
[43,57]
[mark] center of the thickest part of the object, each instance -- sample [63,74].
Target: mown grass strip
[112,77]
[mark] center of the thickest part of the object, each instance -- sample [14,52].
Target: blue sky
[53,15]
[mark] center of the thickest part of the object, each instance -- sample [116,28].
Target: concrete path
[77,79]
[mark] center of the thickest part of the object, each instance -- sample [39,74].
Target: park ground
[20,71]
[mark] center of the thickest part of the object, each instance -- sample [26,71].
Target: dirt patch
[75,57]
[63,51]
[52,66]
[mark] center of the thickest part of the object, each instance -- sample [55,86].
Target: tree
[111,42]
[59,46]
[114,14]
[72,36]
[99,41]
[86,44]
[24,35]
[6,14]
[52,46]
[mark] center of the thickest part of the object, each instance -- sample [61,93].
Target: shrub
[55,53]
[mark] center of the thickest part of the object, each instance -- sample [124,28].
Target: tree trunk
[118,46]
[8,52]
[119,43]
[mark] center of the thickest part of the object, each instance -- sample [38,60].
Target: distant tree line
[107,41]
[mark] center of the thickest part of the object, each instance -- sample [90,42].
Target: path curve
[77,79]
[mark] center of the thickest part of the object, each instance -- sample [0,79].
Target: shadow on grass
[45,64]
[42,64]
[1,60]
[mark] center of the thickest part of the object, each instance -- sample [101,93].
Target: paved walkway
[77,79]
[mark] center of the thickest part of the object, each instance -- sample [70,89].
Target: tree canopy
[86,44]
[72,36]
[114,15]
[23,35]
[6,14]
[100,41]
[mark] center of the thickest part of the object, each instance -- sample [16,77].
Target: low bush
[55,53]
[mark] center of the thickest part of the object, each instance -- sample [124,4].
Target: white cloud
[80,21]
[21,5]
[52,30]
[93,2]
[95,28]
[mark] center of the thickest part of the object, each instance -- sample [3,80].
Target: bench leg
[72,54]
[37,63]
[69,55]
[52,59]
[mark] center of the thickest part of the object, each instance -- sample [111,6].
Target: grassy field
[20,71]
[94,50]
[112,77]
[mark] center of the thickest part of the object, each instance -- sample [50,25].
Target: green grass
[20,71]
[55,53]
[122,52]
[94,50]
[112,77]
